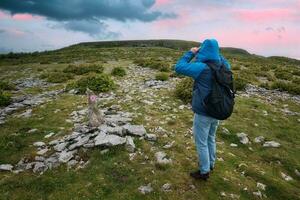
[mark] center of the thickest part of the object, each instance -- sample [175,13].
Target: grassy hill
[44,83]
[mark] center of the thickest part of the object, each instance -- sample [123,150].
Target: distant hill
[173,44]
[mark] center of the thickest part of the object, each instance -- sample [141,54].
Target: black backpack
[219,102]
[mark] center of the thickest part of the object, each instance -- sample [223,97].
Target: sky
[269,27]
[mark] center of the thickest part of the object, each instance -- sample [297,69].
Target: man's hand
[195,50]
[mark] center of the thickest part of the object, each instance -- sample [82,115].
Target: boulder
[103,139]
[136,130]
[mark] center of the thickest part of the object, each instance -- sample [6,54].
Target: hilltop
[48,151]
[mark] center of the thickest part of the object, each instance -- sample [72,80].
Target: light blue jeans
[204,129]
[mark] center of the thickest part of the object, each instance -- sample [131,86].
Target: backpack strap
[212,66]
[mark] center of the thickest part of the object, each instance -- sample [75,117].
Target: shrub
[97,83]
[184,90]
[283,75]
[240,83]
[235,67]
[83,69]
[5,98]
[162,76]
[286,86]
[161,66]
[5,85]
[165,68]
[118,71]
[56,77]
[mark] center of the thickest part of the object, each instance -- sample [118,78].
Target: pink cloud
[162,2]
[265,15]
[25,17]
[3,15]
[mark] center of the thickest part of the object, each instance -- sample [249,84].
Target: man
[204,126]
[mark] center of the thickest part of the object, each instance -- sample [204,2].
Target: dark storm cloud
[86,9]
[87,16]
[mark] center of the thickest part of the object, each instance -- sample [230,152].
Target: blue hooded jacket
[200,72]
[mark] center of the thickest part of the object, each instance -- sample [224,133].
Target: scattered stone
[26,114]
[65,156]
[39,158]
[233,145]
[42,152]
[286,177]
[130,146]
[297,172]
[39,167]
[49,135]
[39,144]
[166,187]
[271,144]
[259,139]
[137,130]
[181,107]
[169,145]
[261,186]
[60,147]
[243,138]
[72,163]
[161,158]
[151,137]
[144,189]
[6,167]
[104,151]
[32,130]
[225,131]
[220,159]
[223,194]
[258,194]
[132,156]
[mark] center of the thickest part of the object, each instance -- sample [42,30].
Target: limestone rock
[243,138]
[161,158]
[108,140]
[259,139]
[39,144]
[271,144]
[286,177]
[6,167]
[130,146]
[39,167]
[150,137]
[144,189]
[65,156]
[166,187]
[137,130]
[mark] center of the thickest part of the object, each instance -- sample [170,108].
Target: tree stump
[94,115]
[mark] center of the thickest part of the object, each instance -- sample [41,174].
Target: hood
[209,51]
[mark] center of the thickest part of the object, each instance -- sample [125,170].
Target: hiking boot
[198,175]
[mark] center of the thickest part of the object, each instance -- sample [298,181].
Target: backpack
[219,102]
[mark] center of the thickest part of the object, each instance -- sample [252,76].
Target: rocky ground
[153,130]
